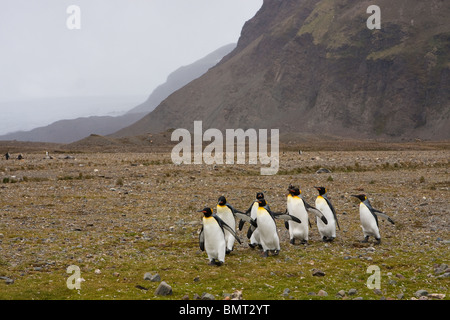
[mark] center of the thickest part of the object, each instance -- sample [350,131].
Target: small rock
[141,287]
[208,296]
[436,295]
[322,293]
[286,292]
[400,276]
[341,293]
[197,279]
[323,170]
[196,297]
[352,292]
[420,293]
[358,298]
[423,298]
[237,295]
[185,297]
[97,271]
[147,276]
[155,278]
[400,296]
[163,289]
[318,273]
[377,291]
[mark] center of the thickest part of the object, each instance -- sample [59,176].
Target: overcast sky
[124,47]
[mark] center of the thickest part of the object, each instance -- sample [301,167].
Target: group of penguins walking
[218,233]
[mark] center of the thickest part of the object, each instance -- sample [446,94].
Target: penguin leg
[252,246]
[219,263]
[276,252]
[366,239]
[265,254]
[304,241]
[378,240]
[212,262]
[292,241]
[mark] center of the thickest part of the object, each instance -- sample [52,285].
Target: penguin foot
[366,239]
[276,252]
[252,246]
[265,254]
[212,262]
[228,251]
[292,241]
[327,239]
[378,241]
[304,241]
[219,263]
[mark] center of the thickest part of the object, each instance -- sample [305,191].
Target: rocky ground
[122,217]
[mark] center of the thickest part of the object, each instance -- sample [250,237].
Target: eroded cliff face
[313,66]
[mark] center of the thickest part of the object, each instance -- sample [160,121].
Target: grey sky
[124,47]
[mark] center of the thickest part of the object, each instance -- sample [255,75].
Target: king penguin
[252,211]
[369,220]
[212,237]
[227,213]
[299,208]
[265,221]
[327,231]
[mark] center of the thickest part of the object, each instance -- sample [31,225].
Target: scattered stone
[208,296]
[196,297]
[423,298]
[155,278]
[352,292]
[196,279]
[185,297]
[147,276]
[341,293]
[400,296]
[377,291]
[141,287]
[358,298]
[322,293]
[7,280]
[163,289]
[436,295]
[286,292]
[237,295]
[400,276]
[318,273]
[323,170]
[97,271]
[420,293]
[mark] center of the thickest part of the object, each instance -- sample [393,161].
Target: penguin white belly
[368,222]
[267,231]
[325,230]
[227,216]
[214,239]
[297,208]
[254,238]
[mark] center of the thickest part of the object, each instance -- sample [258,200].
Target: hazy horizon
[123,49]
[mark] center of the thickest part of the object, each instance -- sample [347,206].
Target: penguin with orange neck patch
[327,231]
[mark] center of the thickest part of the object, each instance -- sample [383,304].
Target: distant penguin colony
[218,232]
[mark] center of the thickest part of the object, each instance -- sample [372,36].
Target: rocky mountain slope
[313,66]
[70,130]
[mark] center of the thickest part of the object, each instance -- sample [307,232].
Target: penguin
[369,218]
[252,211]
[212,237]
[323,204]
[265,221]
[299,208]
[227,213]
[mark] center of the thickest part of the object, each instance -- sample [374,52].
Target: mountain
[67,131]
[314,67]
[181,77]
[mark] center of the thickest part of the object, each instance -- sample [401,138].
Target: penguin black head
[207,212]
[222,201]
[260,195]
[294,191]
[361,197]
[262,202]
[322,190]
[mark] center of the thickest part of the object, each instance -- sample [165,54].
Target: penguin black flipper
[250,231]
[242,222]
[245,217]
[318,213]
[332,210]
[233,209]
[224,226]
[383,215]
[201,240]
[284,216]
